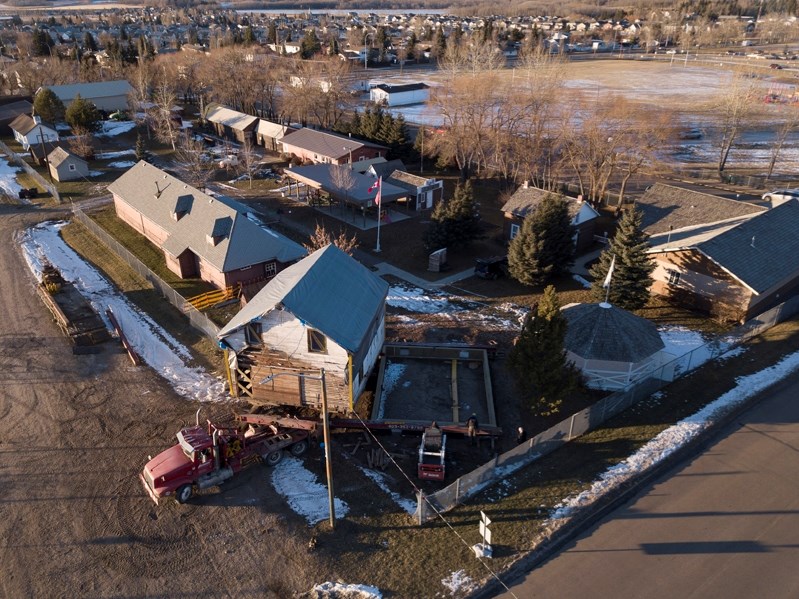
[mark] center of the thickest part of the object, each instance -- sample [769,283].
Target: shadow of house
[10,111]
[525,201]
[213,238]
[326,311]
[610,346]
[735,268]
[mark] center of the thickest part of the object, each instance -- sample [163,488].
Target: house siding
[364,153]
[703,285]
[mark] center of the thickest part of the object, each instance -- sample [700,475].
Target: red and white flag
[378,185]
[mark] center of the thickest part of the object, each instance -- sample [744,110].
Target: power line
[419,493]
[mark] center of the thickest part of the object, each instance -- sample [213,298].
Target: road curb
[584,518]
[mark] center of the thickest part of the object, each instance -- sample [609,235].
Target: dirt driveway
[75,431]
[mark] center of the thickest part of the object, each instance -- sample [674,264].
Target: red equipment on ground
[206,456]
[432,453]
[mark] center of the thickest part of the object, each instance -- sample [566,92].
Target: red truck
[206,456]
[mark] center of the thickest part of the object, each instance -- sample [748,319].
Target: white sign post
[484,549]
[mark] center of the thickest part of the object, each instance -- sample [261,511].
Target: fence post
[571,427]
[458,490]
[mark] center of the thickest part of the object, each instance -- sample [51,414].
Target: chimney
[526,185]
[37,119]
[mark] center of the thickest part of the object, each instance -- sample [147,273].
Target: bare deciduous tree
[322,238]
[248,161]
[82,142]
[194,164]
[735,105]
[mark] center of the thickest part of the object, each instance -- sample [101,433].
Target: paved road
[724,525]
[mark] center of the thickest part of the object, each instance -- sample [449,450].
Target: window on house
[514,230]
[674,277]
[270,270]
[317,342]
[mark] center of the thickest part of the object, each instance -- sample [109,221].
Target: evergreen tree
[249,36]
[412,41]
[333,48]
[123,34]
[48,106]
[370,123]
[456,222]
[455,37]
[193,37]
[82,114]
[544,246]
[41,42]
[538,359]
[271,34]
[439,42]
[88,42]
[310,44]
[141,153]
[632,267]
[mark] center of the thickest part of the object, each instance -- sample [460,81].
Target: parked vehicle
[774,65]
[229,161]
[491,268]
[781,195]
[206,456]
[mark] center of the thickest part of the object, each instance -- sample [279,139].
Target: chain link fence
[197,319]
[592,417]
[19,161]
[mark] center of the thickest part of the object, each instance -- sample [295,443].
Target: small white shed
[400,95]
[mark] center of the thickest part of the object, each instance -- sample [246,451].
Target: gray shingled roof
[244,242]
[321,175]
[59,155]
[325,144]
[384,169]
[328,290]
[25,123]
[605,332]
[761,252]
[526,199]
[87,91]
[665,205]
[14,109]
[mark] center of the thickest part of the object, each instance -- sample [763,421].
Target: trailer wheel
[274,457]
[183,494]
[299,448]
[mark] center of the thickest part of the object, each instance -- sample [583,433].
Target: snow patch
[339,590]
[112,155]
[676,436]
[458,582]
[112,128]
[391,375]
[162,352]
[303,492]
[122,164]
[584,282]
[8,180]
[406,504]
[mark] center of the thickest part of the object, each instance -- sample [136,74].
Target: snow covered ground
[8,179]
[112,128]
[304,494]
[162,352]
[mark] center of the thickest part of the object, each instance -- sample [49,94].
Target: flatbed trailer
[72,312]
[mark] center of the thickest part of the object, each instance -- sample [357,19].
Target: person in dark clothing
[521,435]
[472,427]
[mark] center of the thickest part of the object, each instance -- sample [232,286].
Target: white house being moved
[326,311]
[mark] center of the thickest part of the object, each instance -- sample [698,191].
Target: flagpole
[379,209]
[608,278]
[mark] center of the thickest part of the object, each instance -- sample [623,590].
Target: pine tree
[439,42]
[141,153]
[48,106]
[454,223]
[538,359]
[370,123]
[544,246]
[41,42]
[271,35]
[632,268]
[88,42]
[249,36]
[82,114]
[310,44]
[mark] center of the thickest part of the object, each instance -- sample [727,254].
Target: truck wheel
[299,448]
[274,457]
[183,494]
